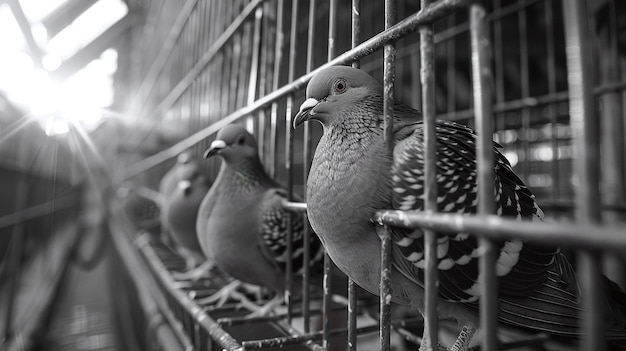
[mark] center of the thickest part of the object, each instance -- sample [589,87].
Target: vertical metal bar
[352,294]
[613,172]
[263,82]
[585,130]
[278,56]
[385,287]
[332,31]
[427,54]
[450,66]
[389,74]
[254,65]
[385,250]
[289,152]
[306,158]
[525,89]
[481,74]
[551,68]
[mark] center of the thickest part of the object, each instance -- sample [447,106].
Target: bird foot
[463,340]
[221,296]
[193,274]
[264,310]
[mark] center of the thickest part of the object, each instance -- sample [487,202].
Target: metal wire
[585,129]
[427,55]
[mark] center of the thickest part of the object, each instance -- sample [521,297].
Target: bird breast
[344,189]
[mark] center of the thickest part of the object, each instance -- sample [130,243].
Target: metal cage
[543,78]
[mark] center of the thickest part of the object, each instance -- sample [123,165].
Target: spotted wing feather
[521,266]
[274,235]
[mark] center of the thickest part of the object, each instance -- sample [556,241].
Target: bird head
[233,143]
[333,90]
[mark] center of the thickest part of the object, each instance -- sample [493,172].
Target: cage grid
[520,70]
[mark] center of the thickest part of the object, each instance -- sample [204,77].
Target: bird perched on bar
[355,173]
[183,189]
[242,223]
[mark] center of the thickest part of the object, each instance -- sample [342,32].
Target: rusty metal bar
[278,60]
[389,67]
[327,300]
[291,340]
[385,287]
[404,27]
[289,152]
[481,74]
[560,233]
[306,157]
[427,57]
[352,294]
[585,131]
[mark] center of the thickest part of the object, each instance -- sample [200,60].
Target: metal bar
[560,233]
[385,287]
[404,27]
[551,68]
[293,34]
[585,131]
[352,294]
[612,122]
[525,88]
[326,302]
[217,46]
[290,340]
[278,60]
[306,157]
[427,57]
[389,62]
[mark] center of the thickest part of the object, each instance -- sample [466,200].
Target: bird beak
[305,112]
[215,147]
[184,185]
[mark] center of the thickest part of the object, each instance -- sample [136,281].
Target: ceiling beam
[35,51]
[64,15]
[93,50]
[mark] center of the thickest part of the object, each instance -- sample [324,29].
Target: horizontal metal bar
[290,340]
[294,206]
[408,25]
[565,234]
[36,211]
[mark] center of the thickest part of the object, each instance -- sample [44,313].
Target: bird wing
[521,266]
[274,234]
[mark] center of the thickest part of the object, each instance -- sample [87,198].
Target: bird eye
[241,140]
[340,86]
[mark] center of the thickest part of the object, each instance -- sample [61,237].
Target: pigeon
[242,224]
[141,206]
[355,173]
[180,210]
